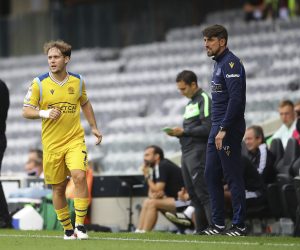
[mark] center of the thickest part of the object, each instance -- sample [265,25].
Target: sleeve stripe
[29,105]
[40,87]
[80,85]
[206,104]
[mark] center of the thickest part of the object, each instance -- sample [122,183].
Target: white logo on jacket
[232,75]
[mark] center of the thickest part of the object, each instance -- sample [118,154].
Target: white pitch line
[163,241]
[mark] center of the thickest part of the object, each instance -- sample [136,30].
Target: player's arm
[32,113]
[156,187]
[88,112]
[234,77]
[152,186]
[31,104]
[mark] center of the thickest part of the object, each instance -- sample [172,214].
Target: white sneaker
[138,231]
[81,232]
[69,235]
[179,218]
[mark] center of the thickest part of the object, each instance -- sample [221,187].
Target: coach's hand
[219,139]
[98,134]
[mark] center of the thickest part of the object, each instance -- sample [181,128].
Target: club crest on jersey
[227,150]
[52,91]
[231,64]
[71,91]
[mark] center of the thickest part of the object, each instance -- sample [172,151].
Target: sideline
[163,241]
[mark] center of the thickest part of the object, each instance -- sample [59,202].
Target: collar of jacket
[221,56]
[198,92]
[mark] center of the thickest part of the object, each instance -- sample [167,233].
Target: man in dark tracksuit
[5,219]
[223,162]
[193,139]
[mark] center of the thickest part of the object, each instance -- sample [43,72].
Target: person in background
[254,9]
[259,154]
[185,212]
[193,138]
[287,117]
[34,169]
[164,180]
[34,164]
[5,218]
[296,132]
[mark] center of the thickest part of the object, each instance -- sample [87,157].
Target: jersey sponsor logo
[64,107]
[52,91]
[191,110]
[216,88]
[231,64]
[232,75]
[71,91]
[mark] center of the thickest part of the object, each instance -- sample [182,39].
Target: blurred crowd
[271,9]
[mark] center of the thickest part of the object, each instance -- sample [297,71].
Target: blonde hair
[64,47]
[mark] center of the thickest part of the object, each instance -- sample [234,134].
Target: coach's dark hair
[157,150]
[64,47]
[187,76]
[258,132]
[216,30]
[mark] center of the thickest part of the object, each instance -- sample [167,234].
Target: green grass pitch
[37,240]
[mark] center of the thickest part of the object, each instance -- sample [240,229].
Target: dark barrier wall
[113,23]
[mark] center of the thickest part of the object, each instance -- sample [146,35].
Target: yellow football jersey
[45,93]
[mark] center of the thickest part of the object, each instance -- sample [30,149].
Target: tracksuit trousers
[225,165]
[193,166]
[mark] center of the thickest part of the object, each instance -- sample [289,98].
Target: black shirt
[253,180]
[169,173]
[4,105]
[269,173]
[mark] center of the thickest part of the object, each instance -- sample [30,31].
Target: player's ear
[67,59]
[222,42]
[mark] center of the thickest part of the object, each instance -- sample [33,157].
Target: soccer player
[228,87]
[56,98]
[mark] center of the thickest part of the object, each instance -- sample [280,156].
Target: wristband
[45,113]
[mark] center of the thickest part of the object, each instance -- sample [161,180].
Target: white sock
[221,227]
[189,211]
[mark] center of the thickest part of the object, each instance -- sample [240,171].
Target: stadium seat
[291,153]
[277,150]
